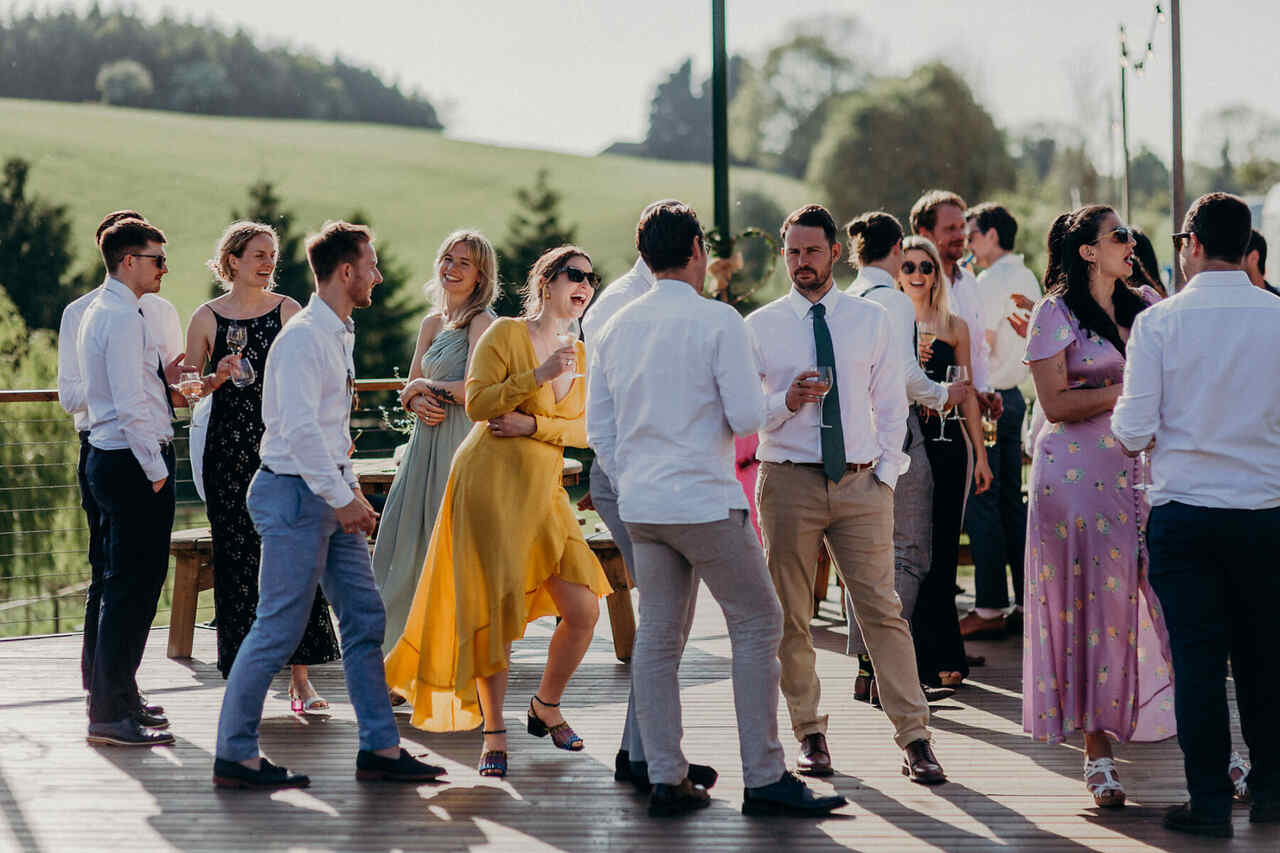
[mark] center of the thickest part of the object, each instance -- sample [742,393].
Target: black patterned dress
[230,461]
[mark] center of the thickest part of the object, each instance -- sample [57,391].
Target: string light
[1157,18]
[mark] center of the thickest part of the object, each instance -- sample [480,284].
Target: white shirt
[966,305]
[1007,276]
[632,284]
[161,320]
[306,402]
[126,399]
[878,285]
[678,381]
[1202,375]
[869,378]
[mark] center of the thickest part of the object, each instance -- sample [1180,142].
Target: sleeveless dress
[935,624]
[410,512]
[505,527]
[230,461]
[1095,651]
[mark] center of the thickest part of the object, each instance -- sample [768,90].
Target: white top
[869,378]
[1007,276]
[306,402]
[878,285]
[632,284]
[161,320]
[127,401]
[1202,375]
[967,305]
[677,381]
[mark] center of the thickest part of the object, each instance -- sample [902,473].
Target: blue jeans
[1214,572]
[996,520]
[303,545]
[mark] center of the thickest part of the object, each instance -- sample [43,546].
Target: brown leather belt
[851,466]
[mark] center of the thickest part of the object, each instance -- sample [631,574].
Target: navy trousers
[996,520]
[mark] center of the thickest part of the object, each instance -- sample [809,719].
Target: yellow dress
[505,526]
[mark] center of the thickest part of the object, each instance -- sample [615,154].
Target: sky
[574,75]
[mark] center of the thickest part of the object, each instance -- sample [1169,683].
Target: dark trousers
[97,563]
[136,525]
[996,520]
[1214,571]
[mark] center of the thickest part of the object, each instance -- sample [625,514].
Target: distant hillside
[188,172]
[120,58]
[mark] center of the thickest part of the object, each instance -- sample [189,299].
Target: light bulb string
[1157,18]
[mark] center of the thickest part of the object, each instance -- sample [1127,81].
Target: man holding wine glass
[827,475]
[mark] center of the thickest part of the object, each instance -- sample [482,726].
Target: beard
[360,296]
[818,280]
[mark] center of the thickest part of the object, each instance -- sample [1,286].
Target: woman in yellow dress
[507,548]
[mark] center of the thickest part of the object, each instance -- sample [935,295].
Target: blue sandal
[561,735]
[494,762]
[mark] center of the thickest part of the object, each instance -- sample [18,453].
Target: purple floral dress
[1095,652]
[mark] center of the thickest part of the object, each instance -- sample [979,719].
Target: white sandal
[1237,762]
[1109,793]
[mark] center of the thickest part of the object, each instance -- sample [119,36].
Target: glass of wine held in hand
[567,334]
[190,386]
[824,379]
[237,340]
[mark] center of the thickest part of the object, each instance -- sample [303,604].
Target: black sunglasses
[160,260]
[1178,240]
[909,267]
[1123,234]
[577,276]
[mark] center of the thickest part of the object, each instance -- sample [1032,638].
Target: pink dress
[747,465]
[1095,652]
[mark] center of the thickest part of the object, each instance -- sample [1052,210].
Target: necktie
[164,383]
[833,458]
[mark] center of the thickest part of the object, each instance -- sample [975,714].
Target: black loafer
[672,800]
[1264,812]
[1183,819]
[126,732]
[405,768]
[149,706]
[637,773]
[233,774]
[143,717]
[788,796]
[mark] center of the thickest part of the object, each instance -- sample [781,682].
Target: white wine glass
[925,336]
[190,386]
[237,340]
[824,380]
[567,335]
[957,373]
[1142,481]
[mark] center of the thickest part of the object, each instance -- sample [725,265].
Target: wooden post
[720,118]
[1178,189]
[1125,186]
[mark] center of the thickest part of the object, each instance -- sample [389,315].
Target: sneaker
[788,796]
[404,768]
[268,776]
[1183,819]
[126,732]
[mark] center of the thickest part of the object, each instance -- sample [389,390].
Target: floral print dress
[1095,648]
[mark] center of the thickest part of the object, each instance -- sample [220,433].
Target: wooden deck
[1006,792]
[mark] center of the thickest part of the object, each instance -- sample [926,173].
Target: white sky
[576,75]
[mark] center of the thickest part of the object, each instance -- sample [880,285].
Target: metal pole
[1179,191]
[1126,186]
[720,117]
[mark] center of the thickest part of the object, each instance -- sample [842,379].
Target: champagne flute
[567,335]
[1141,481]
[824,380]
[237,340]
[190,386]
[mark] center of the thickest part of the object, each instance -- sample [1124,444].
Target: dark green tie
[833,460]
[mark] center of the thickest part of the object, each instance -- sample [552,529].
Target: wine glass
[957,373]
[190,386]
[826,376]
[925,335]
[567,334]
[1141,481]
[237,340]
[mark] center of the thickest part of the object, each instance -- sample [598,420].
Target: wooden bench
[192,574]
[622,619]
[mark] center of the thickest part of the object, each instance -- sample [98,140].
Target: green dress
[410,512]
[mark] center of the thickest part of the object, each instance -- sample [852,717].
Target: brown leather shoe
[921,765]
[974,627]
[814,758]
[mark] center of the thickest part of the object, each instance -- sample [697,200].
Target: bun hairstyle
[872,236]
[233,242]
[1053,264]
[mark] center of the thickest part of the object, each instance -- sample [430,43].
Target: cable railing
[44,538]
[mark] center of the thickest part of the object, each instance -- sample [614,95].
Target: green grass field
[188,172]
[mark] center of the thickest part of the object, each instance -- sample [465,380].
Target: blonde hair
[549,265]
[939,296]
[233,242]
[484,294]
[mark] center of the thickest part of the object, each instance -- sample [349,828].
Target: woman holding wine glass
[234,331]
[954,445]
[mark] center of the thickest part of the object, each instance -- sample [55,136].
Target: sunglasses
[926,267]
[1123,234]
[1179,239]
[577,276]
[160,260]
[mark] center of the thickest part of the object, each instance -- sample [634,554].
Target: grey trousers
[727,556]
[912,533]
[605,500]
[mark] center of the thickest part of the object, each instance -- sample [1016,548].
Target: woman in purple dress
[1095,652]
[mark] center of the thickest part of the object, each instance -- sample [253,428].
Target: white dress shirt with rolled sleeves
[996,284]
[967,305]
[306,402]
[126,399]
[869,377]
[632,284]
[1202,376]
[162,322]
[878,285]
[677,382]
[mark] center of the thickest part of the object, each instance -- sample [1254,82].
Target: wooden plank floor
[1006,792]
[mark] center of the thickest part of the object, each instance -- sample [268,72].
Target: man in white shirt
[678,381]
[314,522]
[1255,262]
[833,484]
[129,471]
[161,320]
[629,764]
[1202,397]
[996,519]
[875,241]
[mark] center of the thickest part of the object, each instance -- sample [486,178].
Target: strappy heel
[561,735]
[493,763]
[1240,782]
[1109,793]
